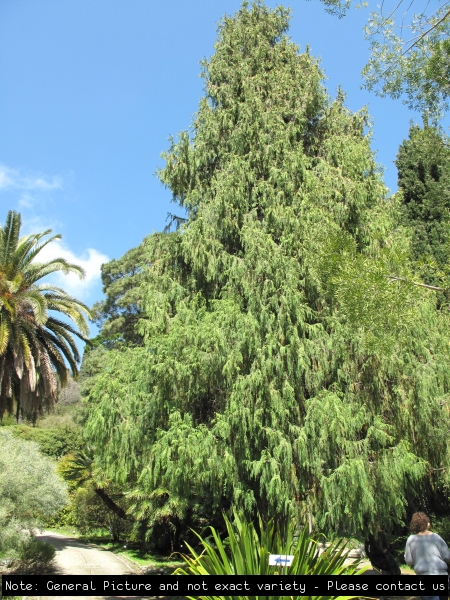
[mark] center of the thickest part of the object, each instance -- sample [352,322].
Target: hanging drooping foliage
[288,362]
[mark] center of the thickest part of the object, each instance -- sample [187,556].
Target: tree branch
[428,287]
[416,42]
[115,508]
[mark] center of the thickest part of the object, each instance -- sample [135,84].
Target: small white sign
[280,560]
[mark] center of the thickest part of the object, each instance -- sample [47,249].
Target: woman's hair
[419,522]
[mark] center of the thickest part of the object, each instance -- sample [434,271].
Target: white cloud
[33,191]
[17,179]
[90,260]
[26,200]
[5,179]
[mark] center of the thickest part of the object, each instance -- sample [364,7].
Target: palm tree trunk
[115,508]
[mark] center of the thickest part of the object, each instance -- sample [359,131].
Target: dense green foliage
[246,552]
[35,345]
[94,502]
[423,164]
[119,313]
[54,441]
[287,362]
[30,491]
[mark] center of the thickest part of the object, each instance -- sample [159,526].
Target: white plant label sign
[280,560]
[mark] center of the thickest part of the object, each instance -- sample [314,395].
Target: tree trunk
[115,508]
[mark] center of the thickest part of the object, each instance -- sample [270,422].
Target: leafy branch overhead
[410,50]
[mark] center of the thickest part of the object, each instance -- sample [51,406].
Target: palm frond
[46,375]
[4,332]
[27,251]
[37,271]
[39,305]
[24,246]
[9,236]
[75,314]
[62,331]
[58,350]
[35,350]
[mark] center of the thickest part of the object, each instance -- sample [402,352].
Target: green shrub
[88,513]
[64,518]
[246,552]
[441,526]
[30,491]
[54,442]
[35,556]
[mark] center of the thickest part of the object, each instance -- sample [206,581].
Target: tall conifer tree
[255,388]
[423,163]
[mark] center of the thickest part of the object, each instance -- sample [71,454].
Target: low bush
[30,492]
[54,442]
[35,557]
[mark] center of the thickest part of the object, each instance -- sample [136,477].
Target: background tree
[70,394]
[265,382]
[423,164]
[79,466]
[34,345]
[119,313]
[94,502]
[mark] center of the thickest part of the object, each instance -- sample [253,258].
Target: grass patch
[69,531]
[151,561]
[406,570]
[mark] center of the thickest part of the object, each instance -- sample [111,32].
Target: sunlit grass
[151,561]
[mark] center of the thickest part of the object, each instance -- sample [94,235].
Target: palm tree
[36,348]
[80,468]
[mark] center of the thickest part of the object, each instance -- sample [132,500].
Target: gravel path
[77,558]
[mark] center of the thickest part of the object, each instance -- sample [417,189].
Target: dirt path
[77,558]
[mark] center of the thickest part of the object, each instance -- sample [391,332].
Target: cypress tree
[255,387]
[423,164]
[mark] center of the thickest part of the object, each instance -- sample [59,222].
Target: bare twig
[389,16]
[428,287]
[416,42]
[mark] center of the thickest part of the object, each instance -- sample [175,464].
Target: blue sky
[91,90]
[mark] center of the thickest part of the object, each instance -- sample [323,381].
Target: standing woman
[426,552]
